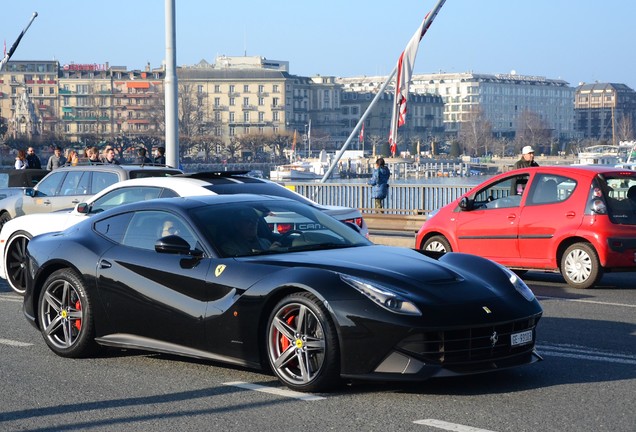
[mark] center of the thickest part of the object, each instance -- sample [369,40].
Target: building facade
[502,99]
[605,111]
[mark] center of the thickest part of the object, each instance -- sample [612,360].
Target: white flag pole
[427,22]
[8,55]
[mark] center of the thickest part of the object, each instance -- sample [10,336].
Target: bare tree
[233,147]
[625,128]
[532,130]
[278,143]
[475,133]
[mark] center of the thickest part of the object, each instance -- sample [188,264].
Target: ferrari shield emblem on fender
[219,269]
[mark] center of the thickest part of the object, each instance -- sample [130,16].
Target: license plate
[521,338]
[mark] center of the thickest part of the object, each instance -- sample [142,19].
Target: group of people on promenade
[29,160]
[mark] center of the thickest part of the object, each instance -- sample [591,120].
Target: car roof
[590,170]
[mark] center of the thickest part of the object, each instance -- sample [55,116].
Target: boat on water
[599,155]
[301,170]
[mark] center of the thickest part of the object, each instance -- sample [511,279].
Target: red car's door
[490,228]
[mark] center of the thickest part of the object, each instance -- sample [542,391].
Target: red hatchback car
[578,220]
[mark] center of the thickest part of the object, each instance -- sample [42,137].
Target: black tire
[303,353]
[65,315]
[580,266]
[15,261]
[4,218]
[519,272]
[437,243]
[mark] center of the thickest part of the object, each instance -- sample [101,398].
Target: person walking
[527,158]
[32,159]
[380,182]
[56,160]
[109,157]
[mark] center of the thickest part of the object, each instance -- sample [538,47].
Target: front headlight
[382,296]
[519,284]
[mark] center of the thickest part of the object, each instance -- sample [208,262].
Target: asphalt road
[587,382]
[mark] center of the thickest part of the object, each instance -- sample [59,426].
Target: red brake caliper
[284,342]
[78,323]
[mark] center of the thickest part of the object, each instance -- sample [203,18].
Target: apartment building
[502,98]
[605,111]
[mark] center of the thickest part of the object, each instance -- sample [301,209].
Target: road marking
[274,391]
[10,298]
[440,424]
[586,301]
[586,353]
[14,343]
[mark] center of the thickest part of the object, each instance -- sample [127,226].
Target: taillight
[357,221]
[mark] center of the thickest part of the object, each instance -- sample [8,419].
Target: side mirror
[30,192]
[83,208]
[466,203]
[173,244]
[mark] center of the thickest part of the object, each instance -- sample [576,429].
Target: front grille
[458,347]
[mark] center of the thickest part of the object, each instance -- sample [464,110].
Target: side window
[72,184]
[124,195]
[101,180]
[146,227]
[550,189]
[49,185]
[114,227]
[502,194]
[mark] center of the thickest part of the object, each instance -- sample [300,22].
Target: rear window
[258,189]
[619,190]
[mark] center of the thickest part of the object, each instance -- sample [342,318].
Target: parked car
[576,220]
[64,187]
[316,307]
[15,181]
[16,233]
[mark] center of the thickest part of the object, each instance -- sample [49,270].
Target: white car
[16,233]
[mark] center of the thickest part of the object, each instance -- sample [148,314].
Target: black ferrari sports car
[267,282]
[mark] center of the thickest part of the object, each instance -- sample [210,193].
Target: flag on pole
[361,137]
[294,142]
[405,65]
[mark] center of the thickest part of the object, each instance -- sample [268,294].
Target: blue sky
[573,40]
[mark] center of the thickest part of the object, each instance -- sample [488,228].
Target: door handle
[105,264]
[570,215]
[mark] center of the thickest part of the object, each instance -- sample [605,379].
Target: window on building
[275,116]
[199,89]
[217,116]
[231,130]
[275,88]
[261,88]
[232,88]
[275,102]
[232,117]
[246,101]
[246,88]
[261,101]
[261,116]
[217,102]
[246,116]
[217,88]
[232,101]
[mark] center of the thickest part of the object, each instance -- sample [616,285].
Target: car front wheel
[66,315]
[580,266]
[437,244]
[302,344]
[15,261]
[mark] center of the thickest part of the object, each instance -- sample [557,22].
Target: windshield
[260,188]
[619,190]
[272,227]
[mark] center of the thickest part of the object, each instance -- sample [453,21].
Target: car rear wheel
[580,266]
[437,244]
[15,261]
[66,315]
[302,344]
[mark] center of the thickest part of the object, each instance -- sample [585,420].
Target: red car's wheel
[580,266]
[437,243]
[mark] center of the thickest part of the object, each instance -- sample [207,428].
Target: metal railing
[402,198]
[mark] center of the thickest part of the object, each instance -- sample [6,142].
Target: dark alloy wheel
[302,344]
[15,261]
[65,315]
